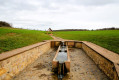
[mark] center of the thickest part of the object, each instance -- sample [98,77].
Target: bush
[4,24]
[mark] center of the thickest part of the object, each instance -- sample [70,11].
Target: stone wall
[70,44]
[12,62]
[103,58]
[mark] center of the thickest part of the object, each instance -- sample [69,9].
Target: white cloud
[60,14]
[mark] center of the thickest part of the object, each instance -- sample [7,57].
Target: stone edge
[14,52]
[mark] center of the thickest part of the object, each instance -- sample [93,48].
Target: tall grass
[11,38]
[108,39]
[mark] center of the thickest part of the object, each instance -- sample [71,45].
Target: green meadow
[108,39]
[12,38]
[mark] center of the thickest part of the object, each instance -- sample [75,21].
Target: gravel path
[82,68]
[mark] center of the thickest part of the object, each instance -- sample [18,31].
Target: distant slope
[72,30]
[106,38]
[12,38]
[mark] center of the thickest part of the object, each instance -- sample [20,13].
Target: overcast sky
[60,14]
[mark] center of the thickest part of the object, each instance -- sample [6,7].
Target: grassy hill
[108,39]
[12,38]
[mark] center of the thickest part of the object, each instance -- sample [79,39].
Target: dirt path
[57,38]
[82,68]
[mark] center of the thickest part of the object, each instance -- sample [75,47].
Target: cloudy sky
[60,14]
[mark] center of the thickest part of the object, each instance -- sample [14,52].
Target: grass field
[108,39]
[12,38]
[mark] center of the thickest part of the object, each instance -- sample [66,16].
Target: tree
[4,24]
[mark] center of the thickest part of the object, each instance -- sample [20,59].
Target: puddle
[61,57]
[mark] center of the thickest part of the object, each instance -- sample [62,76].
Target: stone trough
[61,61]
[15,61]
